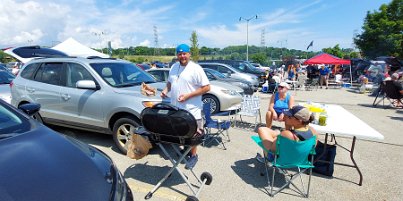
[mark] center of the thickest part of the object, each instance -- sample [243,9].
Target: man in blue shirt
[324,75]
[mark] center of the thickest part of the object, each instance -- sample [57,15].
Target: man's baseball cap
[300,112]
[182,48]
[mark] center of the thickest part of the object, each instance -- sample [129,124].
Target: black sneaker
[191,162]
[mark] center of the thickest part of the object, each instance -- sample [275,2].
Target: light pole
[99,34]
[247,33]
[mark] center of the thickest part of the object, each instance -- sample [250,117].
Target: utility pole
[156,52]
[247,33]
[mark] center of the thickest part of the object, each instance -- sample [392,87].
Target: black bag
[168,123]
[327,166]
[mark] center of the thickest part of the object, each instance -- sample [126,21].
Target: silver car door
[45,90]
[82,106]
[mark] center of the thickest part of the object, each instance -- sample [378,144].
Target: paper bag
[147,90]
[138,147]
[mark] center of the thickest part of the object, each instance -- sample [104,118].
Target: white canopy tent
[73,48]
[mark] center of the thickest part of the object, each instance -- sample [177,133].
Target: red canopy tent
[325,58]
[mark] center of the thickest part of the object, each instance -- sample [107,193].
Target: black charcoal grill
[167,124]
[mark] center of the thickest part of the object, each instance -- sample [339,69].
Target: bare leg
[269,119]
[268,137]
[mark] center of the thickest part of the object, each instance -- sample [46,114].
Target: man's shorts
[200,130]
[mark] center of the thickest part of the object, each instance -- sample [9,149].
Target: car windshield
[252,67]
[6,77]
[122,74]
[217,74]
[11,122]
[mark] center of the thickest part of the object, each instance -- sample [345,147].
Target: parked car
[38,163]
[5,79]
[247,87]
[94,94]
[4,67]
[243,66]
[264,68]
[231,72]
[25,54]
[144,66]
[222,96]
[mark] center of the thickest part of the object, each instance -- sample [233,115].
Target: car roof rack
[98,57]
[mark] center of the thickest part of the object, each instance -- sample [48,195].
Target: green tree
[194,48]
[382,31]
[259,58]
[336,51]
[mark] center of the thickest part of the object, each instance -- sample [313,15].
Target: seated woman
[279,102]
[297,121]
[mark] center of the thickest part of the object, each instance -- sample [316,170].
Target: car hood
[224,85]
[136,90]
[43,165]
[229,79]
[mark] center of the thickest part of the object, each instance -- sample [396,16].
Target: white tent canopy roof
[73,48]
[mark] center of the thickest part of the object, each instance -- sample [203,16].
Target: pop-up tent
[325,58]
[73,48]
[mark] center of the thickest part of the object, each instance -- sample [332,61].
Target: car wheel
[214,103]
[122,130]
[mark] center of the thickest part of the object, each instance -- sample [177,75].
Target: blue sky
[291,24]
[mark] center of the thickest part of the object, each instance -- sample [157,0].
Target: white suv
[95,94]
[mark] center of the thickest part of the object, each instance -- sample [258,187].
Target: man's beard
[184,62]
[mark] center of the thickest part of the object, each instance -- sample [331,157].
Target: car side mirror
[86,84]
[30,108]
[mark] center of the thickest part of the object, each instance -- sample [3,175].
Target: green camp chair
[290,155]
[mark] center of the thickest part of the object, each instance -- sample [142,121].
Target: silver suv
[94,94]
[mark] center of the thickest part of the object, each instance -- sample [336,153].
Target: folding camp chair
[313,83]
[290,156]
[302,79]
[250,106]
[166,124]
[389,91]
[219,125]
[338,80]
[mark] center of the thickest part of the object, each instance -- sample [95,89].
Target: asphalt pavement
[237,174]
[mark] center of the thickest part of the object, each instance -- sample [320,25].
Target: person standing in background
[324,75]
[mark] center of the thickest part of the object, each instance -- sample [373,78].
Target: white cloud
[145,43]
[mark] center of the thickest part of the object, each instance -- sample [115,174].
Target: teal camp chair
[290,155]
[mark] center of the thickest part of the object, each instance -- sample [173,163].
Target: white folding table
[341,122]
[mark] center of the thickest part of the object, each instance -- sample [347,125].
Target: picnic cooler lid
[167,119]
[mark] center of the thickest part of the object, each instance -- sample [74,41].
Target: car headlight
[150,103]
[230,92]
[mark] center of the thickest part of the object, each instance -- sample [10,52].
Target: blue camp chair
[219,125]
[290,155]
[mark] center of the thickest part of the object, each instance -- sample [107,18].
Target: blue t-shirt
[324,71]
[281,105]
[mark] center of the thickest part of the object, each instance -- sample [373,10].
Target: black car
[248,88]
[243,66]
[37,163]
